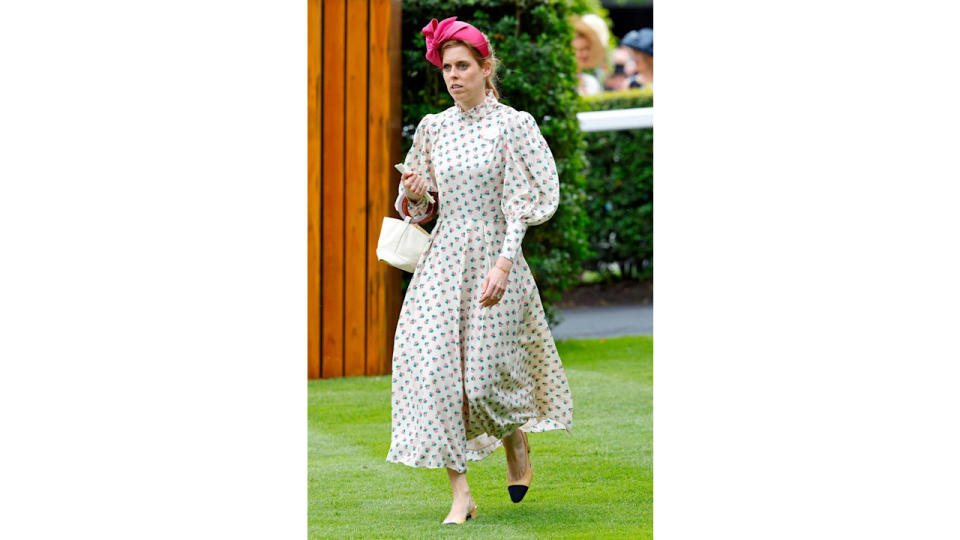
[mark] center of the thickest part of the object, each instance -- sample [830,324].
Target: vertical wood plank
[383,281]
[334,29]
[395,58]
[355,306]
[314,238]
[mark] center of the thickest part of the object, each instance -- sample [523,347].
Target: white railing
[616,119]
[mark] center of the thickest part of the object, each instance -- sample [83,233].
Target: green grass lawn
[594,483]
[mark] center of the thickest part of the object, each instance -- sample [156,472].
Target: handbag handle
[431,210]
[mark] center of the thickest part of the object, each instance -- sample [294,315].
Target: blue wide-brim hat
[639,40]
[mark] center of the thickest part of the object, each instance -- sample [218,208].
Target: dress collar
[476,113]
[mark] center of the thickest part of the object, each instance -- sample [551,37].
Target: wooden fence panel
[314,216]
[334,66]
[355,305]
[383,281]
[353,142]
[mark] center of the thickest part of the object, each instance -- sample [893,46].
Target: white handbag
[401,243]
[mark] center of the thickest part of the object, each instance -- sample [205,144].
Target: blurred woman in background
[590,48]
[640,43]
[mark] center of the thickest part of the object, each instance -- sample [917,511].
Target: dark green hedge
[532,39]
[619,184]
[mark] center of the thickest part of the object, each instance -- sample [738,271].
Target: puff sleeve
[418,161]
[531,187]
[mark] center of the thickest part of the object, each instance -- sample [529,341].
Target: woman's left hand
[495,284]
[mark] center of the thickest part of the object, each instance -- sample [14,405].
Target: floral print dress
[465,376]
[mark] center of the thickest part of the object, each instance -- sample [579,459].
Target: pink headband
[447,29]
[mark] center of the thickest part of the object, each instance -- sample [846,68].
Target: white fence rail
[616,119]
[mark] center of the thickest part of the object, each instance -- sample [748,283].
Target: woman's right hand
[414,186]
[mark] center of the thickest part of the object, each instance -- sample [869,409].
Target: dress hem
[539,424]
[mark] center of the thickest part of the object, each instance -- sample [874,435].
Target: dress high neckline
[476,113]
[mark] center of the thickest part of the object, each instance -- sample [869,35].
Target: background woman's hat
[595,30]
[640,40]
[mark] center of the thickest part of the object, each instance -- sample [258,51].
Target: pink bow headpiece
[439,33]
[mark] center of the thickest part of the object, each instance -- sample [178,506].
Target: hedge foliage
[538,75]
[619,185]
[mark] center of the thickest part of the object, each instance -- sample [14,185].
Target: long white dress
[465,376]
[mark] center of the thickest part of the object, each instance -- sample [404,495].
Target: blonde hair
[490,81]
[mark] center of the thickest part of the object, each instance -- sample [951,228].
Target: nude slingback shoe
[471,514]
[519,488]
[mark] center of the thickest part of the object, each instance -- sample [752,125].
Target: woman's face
[644,61]
[581,48]
[463,75]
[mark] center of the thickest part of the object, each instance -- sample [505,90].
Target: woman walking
[474,363]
